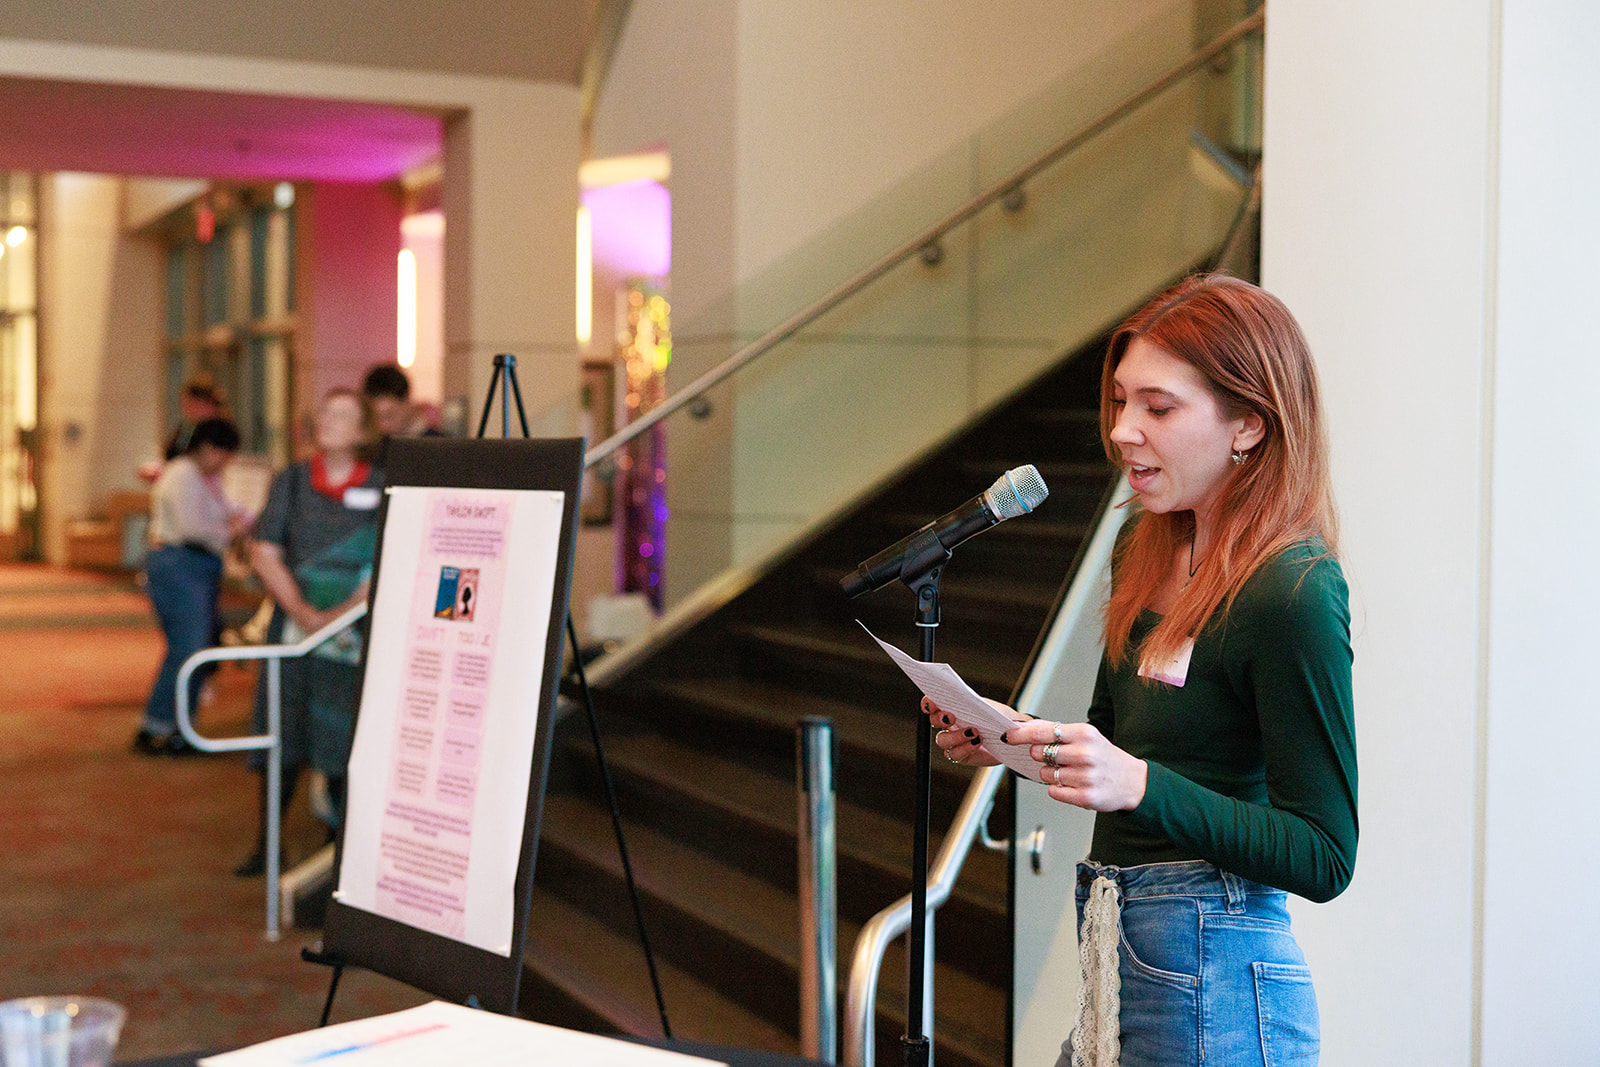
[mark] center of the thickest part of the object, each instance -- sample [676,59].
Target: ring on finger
[951,758]
[1055,732]
[1057,775]
[1050,755]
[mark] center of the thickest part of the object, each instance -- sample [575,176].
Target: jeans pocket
[1160,940]
[1286,1004]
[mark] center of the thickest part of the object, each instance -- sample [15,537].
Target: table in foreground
[733,1057]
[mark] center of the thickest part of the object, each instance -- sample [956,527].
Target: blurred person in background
[198,401]
[313,552]
[388,390]
[191,523]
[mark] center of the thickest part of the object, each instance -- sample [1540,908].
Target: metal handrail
[881,930]
[884,264]
[271,741]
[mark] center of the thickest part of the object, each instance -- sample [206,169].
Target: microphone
[1016,492]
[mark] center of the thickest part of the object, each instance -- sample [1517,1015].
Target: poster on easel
[451,747]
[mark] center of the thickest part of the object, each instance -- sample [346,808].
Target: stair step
[701,743]
[1052,470]
[960,592]
[695,795]
[988,672]
[576,968]
[760,717]
[719,906]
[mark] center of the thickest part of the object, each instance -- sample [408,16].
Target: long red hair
[1251,351]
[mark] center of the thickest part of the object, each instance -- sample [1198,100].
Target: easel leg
[616,824]
[313,956]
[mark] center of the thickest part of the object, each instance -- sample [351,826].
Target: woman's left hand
[1088,770]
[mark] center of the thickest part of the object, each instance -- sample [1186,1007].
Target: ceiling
[119,129]
[48,125]
[532,40]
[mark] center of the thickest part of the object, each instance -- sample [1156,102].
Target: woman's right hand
[961,744]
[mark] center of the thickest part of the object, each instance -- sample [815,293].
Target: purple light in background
[632,228]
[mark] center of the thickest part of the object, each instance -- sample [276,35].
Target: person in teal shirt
[1219,748]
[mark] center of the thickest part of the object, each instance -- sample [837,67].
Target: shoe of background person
[147,743]
[255,865]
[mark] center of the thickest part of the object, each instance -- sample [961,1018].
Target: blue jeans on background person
[183,582]
[1210,970]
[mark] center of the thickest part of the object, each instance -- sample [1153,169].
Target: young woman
[1219,752]
[191,523]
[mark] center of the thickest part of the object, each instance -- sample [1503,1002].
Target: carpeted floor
[116,869]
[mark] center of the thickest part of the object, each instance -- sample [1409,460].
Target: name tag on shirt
[1174,671]
[362,497]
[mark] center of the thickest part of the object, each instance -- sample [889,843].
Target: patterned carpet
[116,869]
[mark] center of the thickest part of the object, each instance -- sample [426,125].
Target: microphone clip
[920,569]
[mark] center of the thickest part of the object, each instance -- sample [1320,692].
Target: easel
[449,968]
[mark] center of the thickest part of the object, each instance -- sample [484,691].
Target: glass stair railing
[1048,226]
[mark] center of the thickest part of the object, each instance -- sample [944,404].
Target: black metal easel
[505,378]
[505,370]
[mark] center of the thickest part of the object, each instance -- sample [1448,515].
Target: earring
[1239,457]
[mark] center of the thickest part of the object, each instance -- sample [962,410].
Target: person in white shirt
[191,523]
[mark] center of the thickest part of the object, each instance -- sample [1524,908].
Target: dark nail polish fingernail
[1005,738]
[972,734]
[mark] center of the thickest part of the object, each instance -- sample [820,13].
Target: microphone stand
[924,563]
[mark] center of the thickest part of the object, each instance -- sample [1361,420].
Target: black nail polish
[948,720]
[972,734]
[1005,738]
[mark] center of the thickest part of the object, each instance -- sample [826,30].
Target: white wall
[1427,218]
[839,100]
[1541,928]
[782,118]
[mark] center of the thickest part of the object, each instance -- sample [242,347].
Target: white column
[510,203]
[1426,218]
[100,335]
[1541,792]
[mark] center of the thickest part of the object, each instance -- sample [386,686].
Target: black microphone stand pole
[924,563]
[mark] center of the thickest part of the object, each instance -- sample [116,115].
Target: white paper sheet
[940,683]
[443,750]
[441,1033]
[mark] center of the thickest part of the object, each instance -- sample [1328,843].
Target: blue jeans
[1210,970]
[183,583]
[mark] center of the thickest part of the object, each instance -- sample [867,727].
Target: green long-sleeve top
[1253,759]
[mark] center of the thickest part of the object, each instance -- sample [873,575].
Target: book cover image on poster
[466,594]
[458,593]
[444,605]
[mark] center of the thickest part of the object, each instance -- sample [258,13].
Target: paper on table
[438,1033]
[940,683]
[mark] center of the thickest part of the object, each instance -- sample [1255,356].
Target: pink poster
[441,763]
[449,657]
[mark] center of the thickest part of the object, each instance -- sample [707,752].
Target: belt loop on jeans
[1236,891]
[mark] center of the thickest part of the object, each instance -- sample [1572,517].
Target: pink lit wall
[631,225]
[348,242]
[632,228]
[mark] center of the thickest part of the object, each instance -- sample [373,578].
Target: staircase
[701,739]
